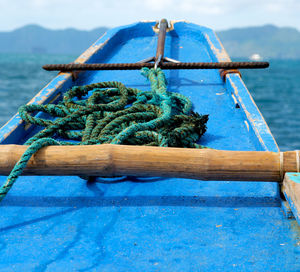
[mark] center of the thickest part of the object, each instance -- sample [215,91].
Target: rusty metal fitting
[224,72]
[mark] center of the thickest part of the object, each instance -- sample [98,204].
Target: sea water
[275,90]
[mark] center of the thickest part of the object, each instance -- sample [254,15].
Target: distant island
[37,39]
[266,41]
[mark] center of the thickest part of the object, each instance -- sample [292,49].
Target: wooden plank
[291,190]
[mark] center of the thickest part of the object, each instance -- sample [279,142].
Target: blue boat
[55,223]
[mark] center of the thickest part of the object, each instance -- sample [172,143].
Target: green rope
[110,113]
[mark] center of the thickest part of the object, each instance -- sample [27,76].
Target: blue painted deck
[56,223]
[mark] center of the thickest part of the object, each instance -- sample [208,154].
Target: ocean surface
[276,90]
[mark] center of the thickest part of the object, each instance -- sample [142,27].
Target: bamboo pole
[116,160]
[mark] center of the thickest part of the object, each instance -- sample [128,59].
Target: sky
[89,14]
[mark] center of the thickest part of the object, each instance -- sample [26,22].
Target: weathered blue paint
[55,223]
[287,209]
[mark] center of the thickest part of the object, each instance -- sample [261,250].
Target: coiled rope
[110,113]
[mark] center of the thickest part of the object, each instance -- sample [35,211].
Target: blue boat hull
[157,224]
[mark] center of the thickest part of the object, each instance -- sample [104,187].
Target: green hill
[268,41]
[36,39]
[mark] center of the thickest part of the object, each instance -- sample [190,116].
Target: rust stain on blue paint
[294,210]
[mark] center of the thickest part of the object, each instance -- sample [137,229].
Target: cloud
[279,6]
[206,6]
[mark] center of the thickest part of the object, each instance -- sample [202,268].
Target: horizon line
[110,27]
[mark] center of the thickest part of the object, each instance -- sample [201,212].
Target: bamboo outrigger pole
[115,160]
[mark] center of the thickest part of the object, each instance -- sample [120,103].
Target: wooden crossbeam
[116,160]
